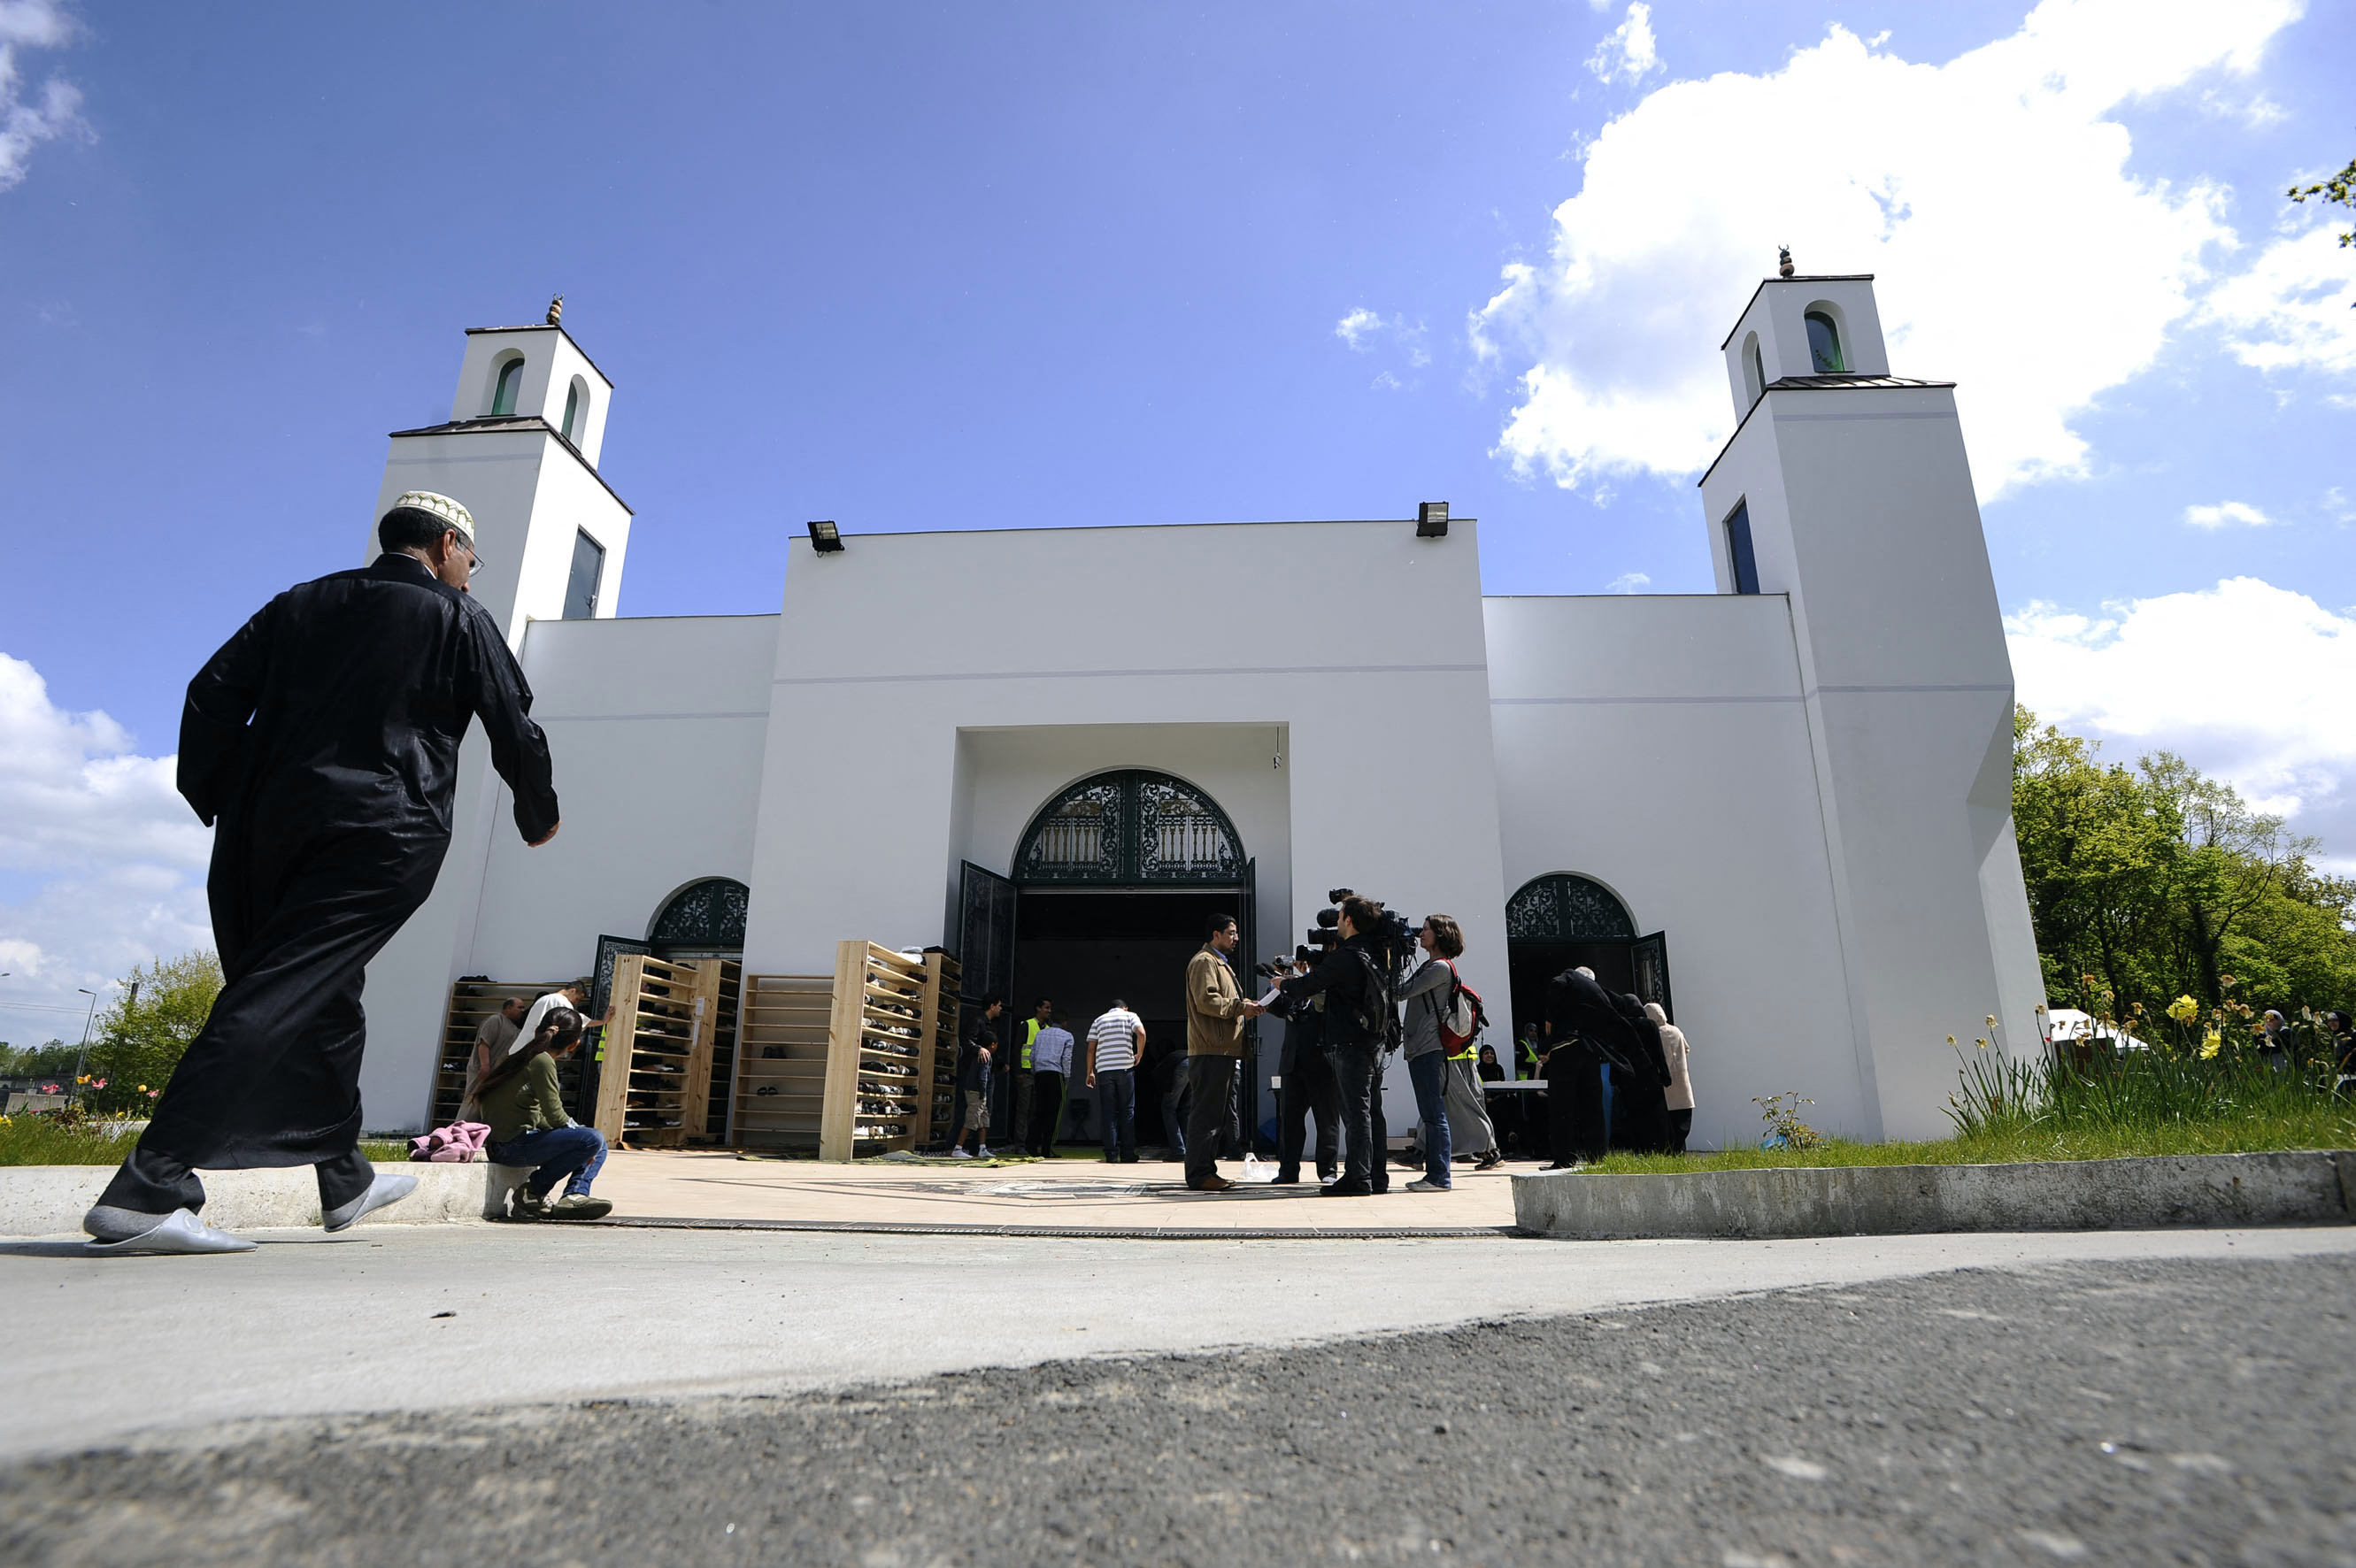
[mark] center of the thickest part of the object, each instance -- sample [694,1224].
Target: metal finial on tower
[1783,268]
[556,305]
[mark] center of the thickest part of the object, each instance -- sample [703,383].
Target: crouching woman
[528,1126]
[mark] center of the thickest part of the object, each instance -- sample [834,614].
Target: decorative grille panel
[1565,908]
[709,913]
[1131,828]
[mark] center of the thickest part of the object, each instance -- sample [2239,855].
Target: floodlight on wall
[825,538]
[1432,520]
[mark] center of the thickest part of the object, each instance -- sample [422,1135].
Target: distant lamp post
[81,1057]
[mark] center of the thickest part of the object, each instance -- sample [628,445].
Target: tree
[55,1058]
[2340,189]
[142,1033]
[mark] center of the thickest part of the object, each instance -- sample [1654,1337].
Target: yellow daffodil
[2211,1044]
[2184,1010]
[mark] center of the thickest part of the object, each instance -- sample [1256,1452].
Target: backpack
[1464,1017]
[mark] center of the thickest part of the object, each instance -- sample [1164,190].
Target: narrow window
[1754,374]
[1824,345]
[503,400]
[1738,550]
[588,566]
[572,411]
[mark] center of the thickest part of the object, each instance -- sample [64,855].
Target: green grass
[2143,1103]
[38,1140]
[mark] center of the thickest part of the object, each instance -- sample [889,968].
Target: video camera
[1391,940]
[1276,968]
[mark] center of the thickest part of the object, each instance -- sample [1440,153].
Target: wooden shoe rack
[781,1062]
[654,1084]
[862,1062]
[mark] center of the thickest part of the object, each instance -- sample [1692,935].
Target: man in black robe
[1588,1032]
[1640,1103]
[322,743]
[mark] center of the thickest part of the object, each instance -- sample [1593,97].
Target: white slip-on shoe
[383,1190]
[178,1231]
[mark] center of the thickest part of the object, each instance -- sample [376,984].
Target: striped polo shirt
[1114,1036]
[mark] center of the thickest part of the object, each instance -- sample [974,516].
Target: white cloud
[2289,310]
[2224,512]
[2016,252]
[1358,328]
[2248,680]
[1628,52]
[26,120]
[114,857]
[1628,582]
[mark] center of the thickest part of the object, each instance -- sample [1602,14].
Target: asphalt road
[2127,1411]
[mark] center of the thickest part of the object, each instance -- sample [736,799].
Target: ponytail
[559,1029]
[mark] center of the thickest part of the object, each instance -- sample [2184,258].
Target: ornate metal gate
[1130,828]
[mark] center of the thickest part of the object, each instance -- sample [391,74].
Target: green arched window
[510,383]
[1824,345]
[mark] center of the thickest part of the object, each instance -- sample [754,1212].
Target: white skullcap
[441,506]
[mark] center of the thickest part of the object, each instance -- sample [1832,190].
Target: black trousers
[1046,1111]
[1308,1088]
[1680,1129]
[1575,1103]
[1359,1069]
[1212,1080]
[1640,1113]
[274,1077]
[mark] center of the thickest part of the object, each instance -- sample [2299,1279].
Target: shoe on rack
[1344,1189]
[178,1231]
[1214,1182]
[1428,1185]
[579,1206]
[383,1192]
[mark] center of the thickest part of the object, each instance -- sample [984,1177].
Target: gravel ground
[2125,1412]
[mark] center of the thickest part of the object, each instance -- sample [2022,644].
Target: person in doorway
[321,742]
[1163,1084]
[1586,1032]
[1307,1086]
[493,1037]
[1114,1041]
[1428,993]
[1639,1089]
[974,1054]
[528,1126]
[1217,1012]
[1357,1016]
[1041,1019]
[1680,1098]
[1051,1065]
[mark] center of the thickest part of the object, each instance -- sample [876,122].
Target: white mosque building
[1783,809]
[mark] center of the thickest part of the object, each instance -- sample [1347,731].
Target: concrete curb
[39,1200]
[2310,1187]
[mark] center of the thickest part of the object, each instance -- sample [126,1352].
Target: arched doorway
[1561,920]
[704,919]
[1112,884]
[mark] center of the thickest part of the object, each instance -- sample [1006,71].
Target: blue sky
[949,265]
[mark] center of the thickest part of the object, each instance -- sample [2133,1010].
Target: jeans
[1214,1081]
[557,1153]
[1359,1069]
[1429,1073]
[1117,1102]
[1177,1086]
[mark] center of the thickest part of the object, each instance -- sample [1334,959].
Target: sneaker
[579,1206]
[1428,1185]
[960,1153]
[984,1153]
[527,1207]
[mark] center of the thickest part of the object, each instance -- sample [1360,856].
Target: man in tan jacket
[1217,1010]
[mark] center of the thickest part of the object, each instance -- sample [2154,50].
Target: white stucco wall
[1862,510]
[893,655]
[1659,745]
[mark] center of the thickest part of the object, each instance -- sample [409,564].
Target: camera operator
[1359,1023]
[1308,1084]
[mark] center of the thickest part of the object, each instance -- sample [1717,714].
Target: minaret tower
[1847,490]
[521,452]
